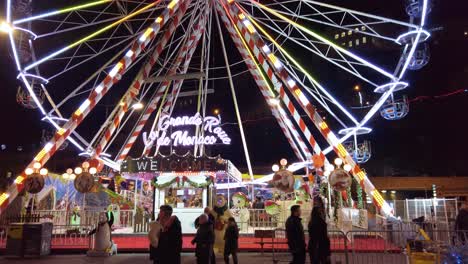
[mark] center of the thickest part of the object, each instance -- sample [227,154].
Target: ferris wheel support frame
[262,82]
[137,83]
[95,96]
[279,87]
[187,54]
[256,44]
[301,151]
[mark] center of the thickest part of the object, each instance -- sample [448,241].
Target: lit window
[337,36]
[357,42]
[363,28]
[350,44]
[343,34]
[343,44]
[356,29]
[364,40]
[350,32]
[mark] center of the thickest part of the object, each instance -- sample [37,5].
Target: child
[231,237]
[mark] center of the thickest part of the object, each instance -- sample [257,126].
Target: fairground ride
[138,54]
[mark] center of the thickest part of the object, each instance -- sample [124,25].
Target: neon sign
[211,126]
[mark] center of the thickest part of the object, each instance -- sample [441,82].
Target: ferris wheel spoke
[60,11]
[327,42]
[92,35]
[313,47]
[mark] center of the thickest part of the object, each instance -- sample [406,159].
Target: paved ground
[187,258]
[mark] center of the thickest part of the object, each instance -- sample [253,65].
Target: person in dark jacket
[231,236]
[319,243]
[204,240]
[461,223]
[295,235]
[170,238]
[211,219]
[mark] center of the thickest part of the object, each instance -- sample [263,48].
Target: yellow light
[172,4]
[158,20]
[72,176]
[147,32]
[251,28]
[323,125]
[342,150]
[69,171]
[241,16]
[357,88]
[61,131]
[19,179]
[216,111]
[361,175]
[65,176]
[3,197]
[6,28]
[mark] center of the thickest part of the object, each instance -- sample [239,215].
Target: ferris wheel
[123,63]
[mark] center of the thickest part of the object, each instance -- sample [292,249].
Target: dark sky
[430,140]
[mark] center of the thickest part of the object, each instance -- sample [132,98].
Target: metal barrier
[338,244]
[71,237]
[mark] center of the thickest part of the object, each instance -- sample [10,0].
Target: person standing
[232,241]
[153,236]
[170,239]
[204,240]
[295,235]
[319,243]
[461,223]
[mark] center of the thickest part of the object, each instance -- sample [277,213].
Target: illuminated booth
[186,183]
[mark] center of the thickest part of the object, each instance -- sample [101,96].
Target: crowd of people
[165,238]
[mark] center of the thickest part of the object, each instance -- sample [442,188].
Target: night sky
[431,140]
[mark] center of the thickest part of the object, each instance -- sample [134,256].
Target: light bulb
[329,167]
[5,27]
[283,162]
[78,170]
[72,176]
[137,106]
[69,171]
[65,176]
[29,171]
[43,171]
[85,165]
[37,165]
[92,170]
[338,162]
[347,167]
[275,168]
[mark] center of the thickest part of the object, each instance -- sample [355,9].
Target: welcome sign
[173,163]
[213,133]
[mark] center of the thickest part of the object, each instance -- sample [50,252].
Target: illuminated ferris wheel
[123,63]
